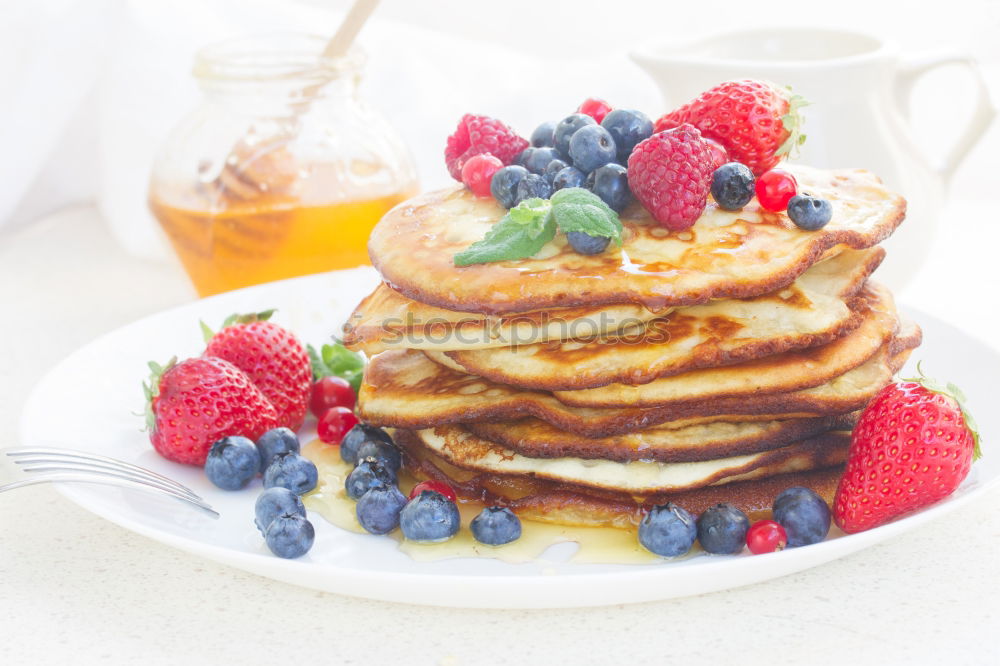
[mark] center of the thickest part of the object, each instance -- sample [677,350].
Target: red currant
[766,536]
[775,188]
[477,172]
[334,424]
[331,392]
[436,486]
[595,107]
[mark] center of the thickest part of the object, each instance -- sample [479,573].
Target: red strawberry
[755,121]
[913,446]
[477,135]
[671,174]
[272,357]
[194,403]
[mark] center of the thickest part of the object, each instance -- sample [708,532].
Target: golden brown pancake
[463,449]
[547,501]
[386,319]
[809,312]
[405,389]
[535,438]
[736,254]
[789,371]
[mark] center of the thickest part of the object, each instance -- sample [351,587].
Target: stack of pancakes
[722,363]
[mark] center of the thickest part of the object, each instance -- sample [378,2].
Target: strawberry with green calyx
[757,122]
[194,403]
[273,358]
[913,446]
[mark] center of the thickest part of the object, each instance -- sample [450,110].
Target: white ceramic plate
[98,393]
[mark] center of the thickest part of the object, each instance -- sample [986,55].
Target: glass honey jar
[282,170]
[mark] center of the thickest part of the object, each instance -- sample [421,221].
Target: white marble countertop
[77,589]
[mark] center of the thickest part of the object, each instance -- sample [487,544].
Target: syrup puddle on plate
[596,545]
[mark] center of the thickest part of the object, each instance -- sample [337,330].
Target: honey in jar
[282,171]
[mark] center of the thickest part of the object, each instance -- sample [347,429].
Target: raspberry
[594,107]
[477,173]
[671,174]
[477,135]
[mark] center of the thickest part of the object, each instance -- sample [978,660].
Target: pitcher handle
[910,72]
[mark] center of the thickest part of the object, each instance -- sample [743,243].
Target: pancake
[386,319]
[790,371]
[535,438]
[462,449]
[547,501]
[726,254]
[810,312]
[405,389]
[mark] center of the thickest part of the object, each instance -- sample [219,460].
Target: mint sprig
[527,227]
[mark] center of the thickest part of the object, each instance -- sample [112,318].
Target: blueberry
[584,243]
[429,516]
[520,157]
[232,462]
[290,536]
[275,442]
[668,530]
[539,158]
[566,128]
[543,135]
[503,187]
[627,127]
[496,526]
[387,454]
[554,167]
[803,514]
[592,147]
[733,186]
[808,212]
[275,502]
[533,185]
[568,177]
[378,509]
[369,473]
[722,529]
[610,182]
[292,471]
[357,436]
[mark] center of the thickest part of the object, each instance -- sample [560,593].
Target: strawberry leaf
[151,388]
[248,318]
[793,122]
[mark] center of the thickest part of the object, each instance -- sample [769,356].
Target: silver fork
[28,466]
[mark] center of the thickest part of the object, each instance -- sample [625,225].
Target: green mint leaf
[336,360]
[510,239]
[530,211]
[579,195]
[577,209]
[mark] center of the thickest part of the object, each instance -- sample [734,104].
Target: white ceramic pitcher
[858,87]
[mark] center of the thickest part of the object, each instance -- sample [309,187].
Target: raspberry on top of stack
[625,322]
